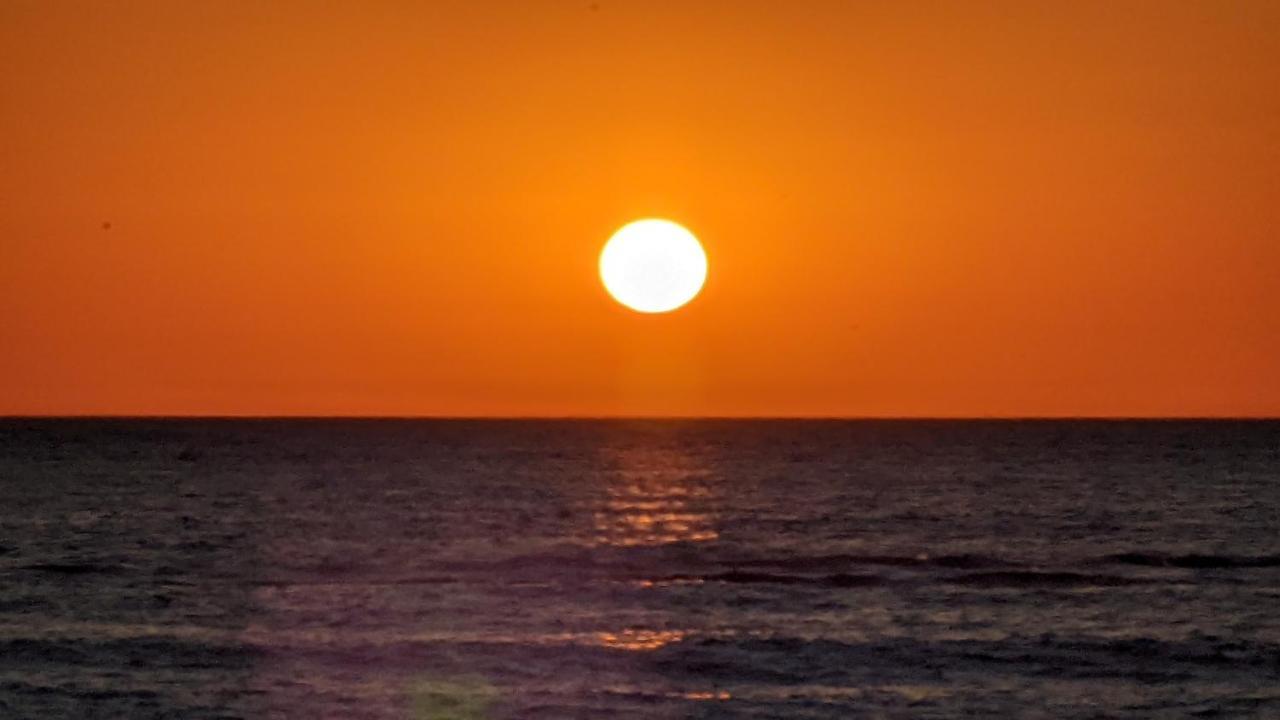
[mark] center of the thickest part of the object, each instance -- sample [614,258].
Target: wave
[1034,578]
[1193,561]
[23,604]
[838,580]
[72,568]
[830,562]
[586,565]
[1023,579]
[151,651]
[1048,654]
[1011,567]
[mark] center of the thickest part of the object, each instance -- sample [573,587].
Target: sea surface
[638,569]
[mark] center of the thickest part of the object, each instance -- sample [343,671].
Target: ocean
[423,569]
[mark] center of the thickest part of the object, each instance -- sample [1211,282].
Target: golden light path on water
[655,496]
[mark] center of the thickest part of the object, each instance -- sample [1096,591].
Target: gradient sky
[910,208]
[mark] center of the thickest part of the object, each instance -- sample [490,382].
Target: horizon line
[598,418]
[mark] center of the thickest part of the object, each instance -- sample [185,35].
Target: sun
[653,266]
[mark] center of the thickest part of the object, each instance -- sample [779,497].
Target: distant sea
[639,569]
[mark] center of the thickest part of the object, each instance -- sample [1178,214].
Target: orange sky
[910,208]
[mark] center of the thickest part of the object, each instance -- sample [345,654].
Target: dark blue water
[415,569]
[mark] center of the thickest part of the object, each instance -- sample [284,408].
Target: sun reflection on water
[717,695]
[655,496]
[639,640]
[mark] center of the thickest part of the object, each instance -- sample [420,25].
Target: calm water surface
[789,569]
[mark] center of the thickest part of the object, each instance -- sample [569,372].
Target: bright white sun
[653,266]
